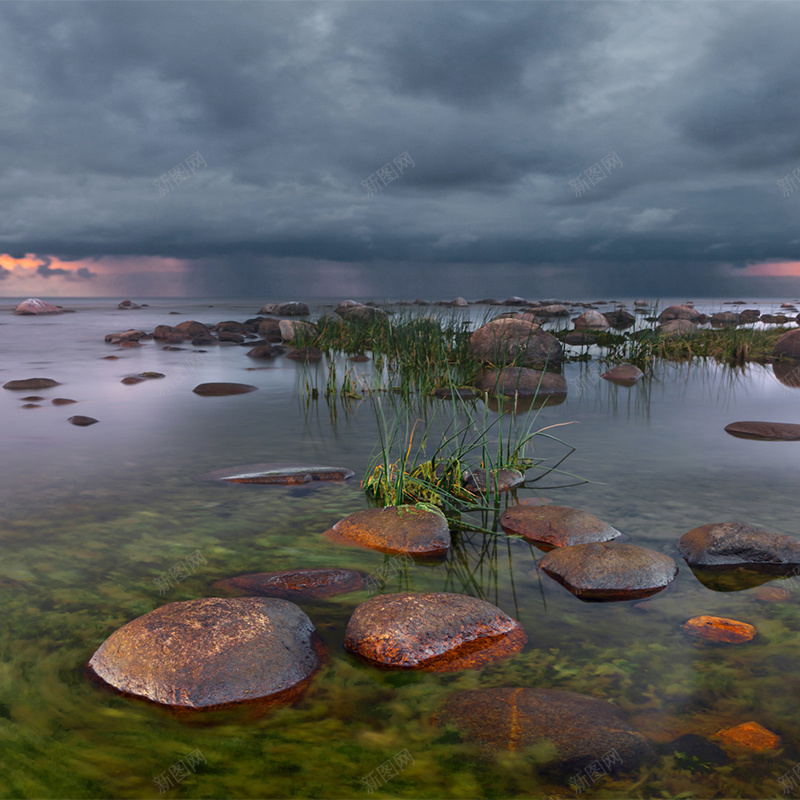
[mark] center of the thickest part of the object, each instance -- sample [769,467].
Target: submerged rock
[767,431]
[212,652]
[719,629]
[503,340]
[33,305]
[504,479]
[297,584]
[734,544]
[556,526]
[523,382]
[264,350]
[610,571]
[30,384]
[223,389]
[584,730]
[280,473]
[435,631]
[624,374]
[677,327]
[580,338]
[750,735]
[395,529]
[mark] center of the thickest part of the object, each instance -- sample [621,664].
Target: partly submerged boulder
[735,544]
[212,652]
[30,384]
[33,306]
[788,346]
[556,526]
[766,431]
[296,584]
[522,381]
[223,389]
[290,309]
[624,374]
[502,341]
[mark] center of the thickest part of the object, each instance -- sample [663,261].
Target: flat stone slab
[395,529]
[767,431]
[212,652]
[610,571]
[583,729]
[278,473]
[223,389]
[556,526]
[435,631]
[30,384]
[719,629]
[297,584]
[734,544]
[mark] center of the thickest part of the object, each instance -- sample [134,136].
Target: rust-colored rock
[610,571]
[395,529]
[30,384]
[297,584]
[32,398]
[435,632]
[503,340]
[280,473]
[624,374]
[556,526]
[522,381]
[223,389]
[583,729]
[750,735]
[771,594]
[767,431]
[719,629]
[212,652]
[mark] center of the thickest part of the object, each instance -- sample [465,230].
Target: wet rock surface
[395,529]
[82,421]
[767,431]
[297,584]
[435,631]
[280,473]
[556,526]
[502,340]
[503,479]
[750,735]
[719,629]
[30,384]
[610,571]
[223,389]
[734,544]
[583,729]
[624,374]
[522,381]
[212,652]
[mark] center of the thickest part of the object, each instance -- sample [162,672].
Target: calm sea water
[92,516]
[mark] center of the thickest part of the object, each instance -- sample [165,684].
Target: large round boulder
[725,319]
[296,584]
[556,526]
[522,381]
[33,306]
[502,341]
[610,571]
[619,318]
[584,730]
[766,431]
[788,346]
[591,320]
[212,652]
[395,529]
[678,312]
[734,544]
[435,631]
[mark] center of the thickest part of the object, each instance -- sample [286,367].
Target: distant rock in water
[82,421]
[734,544]
[264,350]
[280,473]
[435,631]
[610,571]
[767,431]
[33,306]
[214,651]
[62,401]
[223,389]
[297,584]
[585,731]
[126,305]
[30,384]
[556,526]
[291,309]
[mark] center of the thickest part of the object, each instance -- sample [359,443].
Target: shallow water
[91,517]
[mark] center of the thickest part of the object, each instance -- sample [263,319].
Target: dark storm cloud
[500,106]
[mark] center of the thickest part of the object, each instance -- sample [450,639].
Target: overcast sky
[546,149]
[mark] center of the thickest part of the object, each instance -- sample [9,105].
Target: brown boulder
[82,421]
[131,336]
[750,735]
[297,584]
[435,631]
[223,389]
[504,340]
[677,327]
[556,526]
[30,384]
[230,326]
[62,401]
[592,320]
[620,318]
[624,374]
[787,373]
[609,571]
[522,381]
[264,350]
[678,312]
[733,544]
[767,431]
[192,328]
[278,473]
[269,328]
[230,336]
[584,730]
[724,318]
[719,629]
[395,529]
[788,346]
[504,479]
[212,652]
